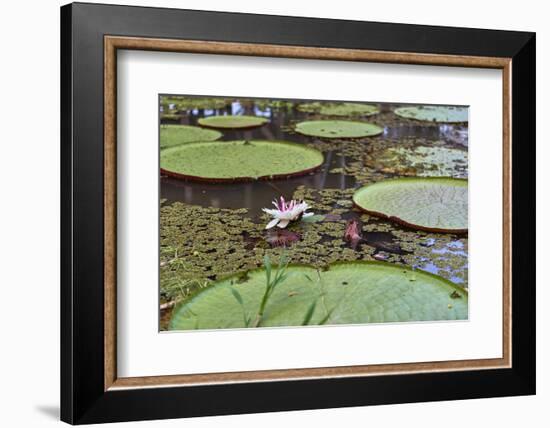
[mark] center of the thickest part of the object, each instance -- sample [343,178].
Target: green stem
[260,314]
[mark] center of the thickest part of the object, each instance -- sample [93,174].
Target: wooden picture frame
[91,390]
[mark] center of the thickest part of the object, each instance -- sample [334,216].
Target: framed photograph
[265,213]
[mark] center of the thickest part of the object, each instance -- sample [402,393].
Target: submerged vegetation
[348,239]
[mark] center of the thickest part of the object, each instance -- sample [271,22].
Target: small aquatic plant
[286,212]
[271,283]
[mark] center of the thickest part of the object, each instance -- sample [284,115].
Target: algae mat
[345,293]
[173,135]
[337,129]
[220,161]
[432,204]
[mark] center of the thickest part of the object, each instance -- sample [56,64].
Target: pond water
[348,165]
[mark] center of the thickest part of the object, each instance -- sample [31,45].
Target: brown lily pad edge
[186,177]
[409,225]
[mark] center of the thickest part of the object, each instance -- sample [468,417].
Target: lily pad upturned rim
[401,221]
[379,131]
[188,177]
[337,264]
[204,121]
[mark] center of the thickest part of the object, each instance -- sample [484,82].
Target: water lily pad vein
[220,161]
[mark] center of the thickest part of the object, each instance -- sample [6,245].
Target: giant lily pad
[232,122]
[220,161]
[432,204]
[434,113]
[339,109]
[337,129]
[173,135]
[345,293]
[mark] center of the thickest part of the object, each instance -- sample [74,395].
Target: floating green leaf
[219,161]
[232,122]
[337,129]
[432,204]
[339,109]
[173,135]
[434,113]
[313,218]
[345,293]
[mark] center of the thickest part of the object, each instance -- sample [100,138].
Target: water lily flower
[286,212]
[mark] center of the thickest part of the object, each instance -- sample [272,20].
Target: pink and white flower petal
[282,223]
[272,223]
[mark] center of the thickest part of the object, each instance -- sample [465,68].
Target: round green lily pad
[434,113]
[339,109]
[232,122]
[173,135]
[432,204]
[346,293]
[220,161]
[337,129]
